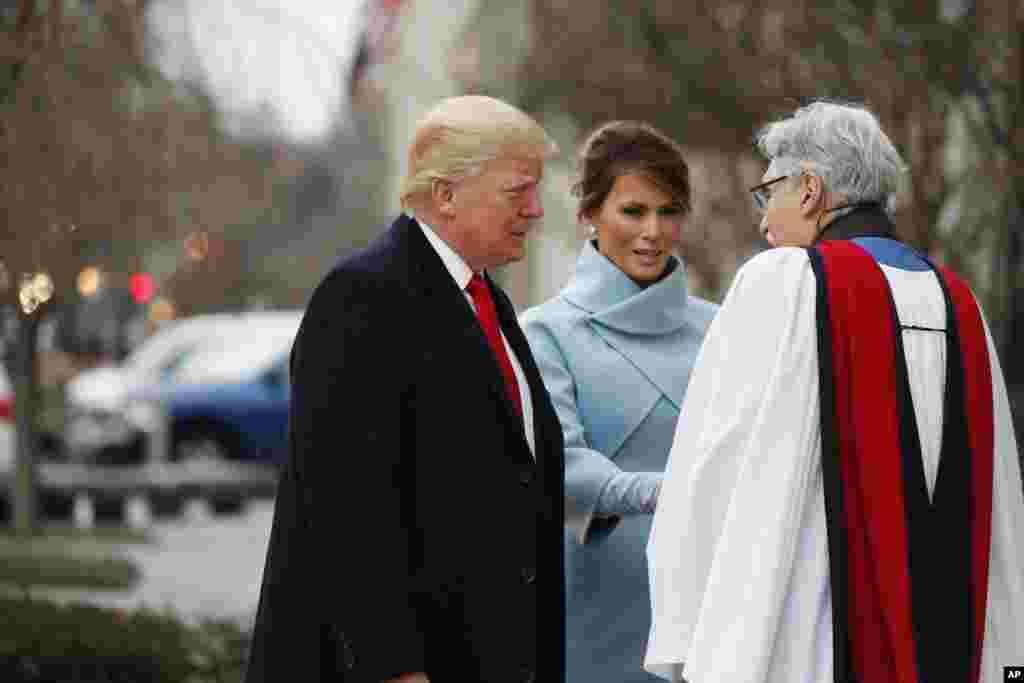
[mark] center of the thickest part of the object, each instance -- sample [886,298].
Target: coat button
[348,658]
[526,477]
[529,575]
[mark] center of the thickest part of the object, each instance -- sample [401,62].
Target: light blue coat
[616,360]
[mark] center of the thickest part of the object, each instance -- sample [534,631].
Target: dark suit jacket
[413,530]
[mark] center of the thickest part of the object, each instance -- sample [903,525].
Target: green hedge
[101,573]
[42,641]
[63,558]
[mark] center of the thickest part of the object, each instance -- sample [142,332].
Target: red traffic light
[142,288]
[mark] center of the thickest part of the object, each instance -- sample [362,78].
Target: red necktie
[488,317]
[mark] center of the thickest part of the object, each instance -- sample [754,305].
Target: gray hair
[844,145]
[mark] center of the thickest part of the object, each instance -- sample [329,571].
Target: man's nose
[534,208]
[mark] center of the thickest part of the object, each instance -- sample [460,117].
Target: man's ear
[442,197]
[812,193]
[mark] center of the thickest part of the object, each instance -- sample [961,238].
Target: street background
[185,160]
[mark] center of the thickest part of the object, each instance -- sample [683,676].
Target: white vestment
[738,552]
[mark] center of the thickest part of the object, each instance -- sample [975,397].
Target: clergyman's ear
[810,193]
[806,189]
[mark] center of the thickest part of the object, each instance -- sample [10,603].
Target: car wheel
[227,504]
[166,505]
[205,453]
[55,505]
[201,450]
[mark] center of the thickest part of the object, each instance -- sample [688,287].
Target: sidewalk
[198,568]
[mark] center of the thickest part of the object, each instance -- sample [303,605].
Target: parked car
[228,404]
[102,421]
[221,426]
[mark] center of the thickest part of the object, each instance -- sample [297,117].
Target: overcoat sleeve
[336,587]
[587,472]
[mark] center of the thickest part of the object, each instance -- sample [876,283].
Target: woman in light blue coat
[615,348]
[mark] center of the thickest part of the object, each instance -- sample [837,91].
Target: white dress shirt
[462,273]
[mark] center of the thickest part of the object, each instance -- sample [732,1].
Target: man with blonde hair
[418,526]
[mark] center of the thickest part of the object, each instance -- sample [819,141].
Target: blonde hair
[459,134]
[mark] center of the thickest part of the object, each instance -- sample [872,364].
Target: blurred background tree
[944,76]
[106,163]
[138,187]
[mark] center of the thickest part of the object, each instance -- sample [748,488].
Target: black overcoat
[413,530]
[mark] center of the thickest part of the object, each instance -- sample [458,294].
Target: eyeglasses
[762,195]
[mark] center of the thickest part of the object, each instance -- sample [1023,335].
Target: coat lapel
[517,340]
[645,326]
[450,310]
[547,430]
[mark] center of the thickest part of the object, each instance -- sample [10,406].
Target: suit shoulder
[351,279]
[354,295]
[385,258]
[379,268]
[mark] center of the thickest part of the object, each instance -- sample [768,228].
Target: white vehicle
[236,360]
[99,428]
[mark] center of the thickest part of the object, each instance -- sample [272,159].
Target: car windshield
[171,344]
[166,352]
[235,360]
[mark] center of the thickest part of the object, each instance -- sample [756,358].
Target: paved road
[198,567]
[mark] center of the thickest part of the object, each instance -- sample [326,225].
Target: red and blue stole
[909,575]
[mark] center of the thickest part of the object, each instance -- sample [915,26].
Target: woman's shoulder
[555,313]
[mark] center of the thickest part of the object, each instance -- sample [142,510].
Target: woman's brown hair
[619,148]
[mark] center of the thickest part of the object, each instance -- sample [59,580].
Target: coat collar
[866,220]
[644,325]
[871,228]
[613,300]
[452,260]
[448,308]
